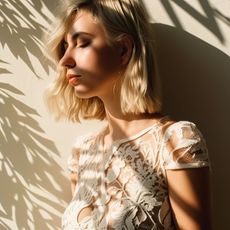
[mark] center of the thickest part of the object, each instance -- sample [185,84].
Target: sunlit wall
[192,47]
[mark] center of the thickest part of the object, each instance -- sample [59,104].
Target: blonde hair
[139,86]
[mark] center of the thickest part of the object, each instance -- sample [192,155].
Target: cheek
[109,60]
[99,61]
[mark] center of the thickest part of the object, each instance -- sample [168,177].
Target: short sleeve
[73,159]
[184,147]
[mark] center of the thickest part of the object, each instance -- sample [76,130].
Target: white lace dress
[125,186]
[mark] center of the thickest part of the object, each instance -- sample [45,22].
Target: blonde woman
[143,170]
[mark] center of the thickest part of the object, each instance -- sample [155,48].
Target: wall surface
[192,47]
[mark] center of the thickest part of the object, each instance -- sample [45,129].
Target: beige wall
[193,48]
[193,44]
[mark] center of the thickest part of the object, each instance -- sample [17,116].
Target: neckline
[135,136]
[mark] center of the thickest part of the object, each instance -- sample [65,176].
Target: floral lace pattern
[125,187]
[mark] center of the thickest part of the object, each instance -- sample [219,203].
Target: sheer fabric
[125,186]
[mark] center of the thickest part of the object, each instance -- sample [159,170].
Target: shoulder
[184,146]
[181,129]
[81,144]
[170,130]
[83,139]
[88,138]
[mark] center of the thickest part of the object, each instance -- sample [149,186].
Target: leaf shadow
[33,180]
[21,31]
[3,70]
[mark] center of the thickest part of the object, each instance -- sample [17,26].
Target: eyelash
[83,45]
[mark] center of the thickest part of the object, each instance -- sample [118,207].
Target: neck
[124,125]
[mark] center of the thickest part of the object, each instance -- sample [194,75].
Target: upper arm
[185,159]
[74,159]
[73,181]
[189,194]
[73,164]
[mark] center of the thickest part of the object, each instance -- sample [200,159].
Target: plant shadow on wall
[22,24]
[28,168]
[29,172]
[208,19]
[32,180]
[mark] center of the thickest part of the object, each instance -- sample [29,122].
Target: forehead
[84,22]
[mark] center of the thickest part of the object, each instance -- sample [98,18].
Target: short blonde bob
[139,86]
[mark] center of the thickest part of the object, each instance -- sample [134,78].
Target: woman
[143,170]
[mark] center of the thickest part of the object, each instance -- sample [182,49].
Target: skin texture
[189,195]
[97,66]
[89,56]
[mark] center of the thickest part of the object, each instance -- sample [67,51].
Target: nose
[67,60]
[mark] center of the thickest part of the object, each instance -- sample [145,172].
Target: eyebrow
[76,35]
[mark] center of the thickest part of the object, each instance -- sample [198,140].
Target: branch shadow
[222,17]
[20,30]
[195,83]
[208,21]
[29,171]
[169,9]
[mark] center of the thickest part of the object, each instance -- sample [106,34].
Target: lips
[73,78]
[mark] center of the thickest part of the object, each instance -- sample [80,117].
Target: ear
[126,49]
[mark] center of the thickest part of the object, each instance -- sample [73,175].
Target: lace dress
[125,186]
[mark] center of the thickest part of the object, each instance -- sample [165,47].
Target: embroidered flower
[114,169]
[126,215]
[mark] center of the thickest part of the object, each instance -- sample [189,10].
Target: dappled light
[32,180]
[33,183]
[27,160]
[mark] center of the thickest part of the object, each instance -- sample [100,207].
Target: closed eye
[83,45]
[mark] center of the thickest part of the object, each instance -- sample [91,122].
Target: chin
[83,94]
